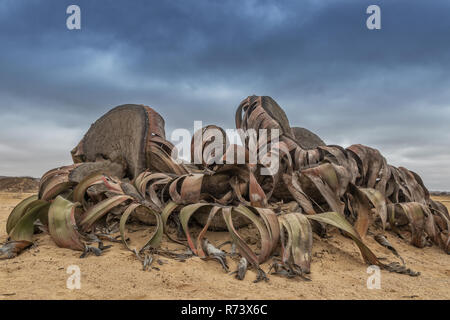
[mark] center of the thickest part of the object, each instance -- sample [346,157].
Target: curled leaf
[100,209]
[296,249]
[337,220]
[18,212]
[62,225]
[155,238]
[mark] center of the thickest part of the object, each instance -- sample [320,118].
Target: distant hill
[440,193]
[19,184]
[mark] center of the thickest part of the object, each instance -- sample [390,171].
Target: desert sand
[337,272]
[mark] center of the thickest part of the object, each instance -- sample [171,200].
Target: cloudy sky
[197,59]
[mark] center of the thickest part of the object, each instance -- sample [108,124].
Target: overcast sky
[197,59]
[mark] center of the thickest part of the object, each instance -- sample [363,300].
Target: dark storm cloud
[196,60]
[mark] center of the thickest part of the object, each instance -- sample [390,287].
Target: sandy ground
[337,273]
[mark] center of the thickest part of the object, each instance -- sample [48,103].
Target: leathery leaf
[100,209]
[18,212]
[337,220]
[268,241]
[185,215]
[93,179]
[24,228]
[155,238]
[167,211]
[62,226]
[298,245]
[21,233]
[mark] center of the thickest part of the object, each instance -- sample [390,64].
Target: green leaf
[62,225]
[93,179]
[18,212]
[167,211]
[24,228]
[155,238]
[80,189]
[100,209]
[337,220]
[185,215]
